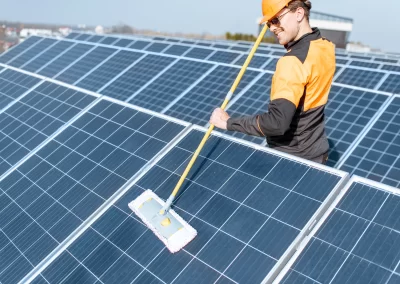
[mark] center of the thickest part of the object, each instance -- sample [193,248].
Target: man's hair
[305,4]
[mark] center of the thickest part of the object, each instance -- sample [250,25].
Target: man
[294,122]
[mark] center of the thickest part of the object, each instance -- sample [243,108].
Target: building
[335,28]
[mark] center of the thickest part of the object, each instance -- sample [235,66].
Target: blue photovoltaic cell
[365,64]
[391,84]
[224,57]
[35,117]
[271,66]
[139,44]
[279,53]
[256,61]
[172,40]
[263,51]
[394,68]
[16,50]
[85,65]
[95,39]
[199,53]
[47,56]
[246,216]
[137,76]
[377,155]
[238,48]
[360,78]
[347,112]
[32,52]
[203,44]
[109,40]
[65,60]
[157,47]
[160,93]
[72,35]
[341,55]
[176,50]
[159,38]
[254,101]
[386,60]
[341,61]
[57,189]
[9,90]
[108,70]
[19,78]
[359,243]
[123,42]
[188,42]
[83,37]
[197,105]
[221,46]
[360,57]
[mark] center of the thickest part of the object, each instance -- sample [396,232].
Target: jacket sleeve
[288,86]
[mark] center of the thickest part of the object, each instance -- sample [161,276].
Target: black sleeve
[275,122]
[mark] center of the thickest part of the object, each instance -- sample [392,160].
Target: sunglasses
[276,21]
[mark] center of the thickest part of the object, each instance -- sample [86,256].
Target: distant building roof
[328,17]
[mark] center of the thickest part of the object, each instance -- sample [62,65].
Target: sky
[374,25]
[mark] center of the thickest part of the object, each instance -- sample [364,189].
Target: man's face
[284,25]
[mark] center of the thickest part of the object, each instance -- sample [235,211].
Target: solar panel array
[89,122]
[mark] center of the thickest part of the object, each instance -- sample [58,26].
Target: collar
[313,35]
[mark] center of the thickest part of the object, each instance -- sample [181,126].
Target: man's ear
[300,14]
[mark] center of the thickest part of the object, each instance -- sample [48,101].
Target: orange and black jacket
[294,122]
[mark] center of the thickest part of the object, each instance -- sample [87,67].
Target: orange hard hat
[271,7]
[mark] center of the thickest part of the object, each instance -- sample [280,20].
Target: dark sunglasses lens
[274,21]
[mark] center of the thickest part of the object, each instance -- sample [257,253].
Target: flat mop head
[170,228]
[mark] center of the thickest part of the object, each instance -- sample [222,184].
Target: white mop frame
[179,239]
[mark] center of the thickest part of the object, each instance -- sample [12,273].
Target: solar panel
[18,49]
[85,64]
[188,42]
[138,76]
[197,105]
[347,113]
[394,68]
[83,37]
[203,44]
[177,49]
[256,61]
[19,78]
[391,84]
[139,44]
[57,189]
[172,40]
[365,64]
[271,66]
[386,60]
[31,53]
[63,61]
[221,46]
[279,53]
[341,61]
[157,47]
[72,35]
[10,90]
[238,48]
[360,57]
[263,51]
[357,240]
[47,56]
[123,42]
[95,38]
[109,70]
[170,85]
[238,213]
[35,117]
[109,40]
[199,53]
[376,156]
[224,57]
[360,78]
[253,101]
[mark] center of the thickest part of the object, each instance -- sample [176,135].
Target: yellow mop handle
[226,101]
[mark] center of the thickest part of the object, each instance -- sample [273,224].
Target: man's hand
[219,118]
